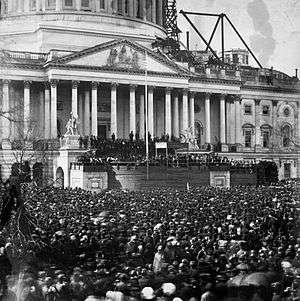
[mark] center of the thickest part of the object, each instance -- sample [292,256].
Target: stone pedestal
[224,148]
[70,142]
[220,178]
[258,148]
[239,148]
[6,144]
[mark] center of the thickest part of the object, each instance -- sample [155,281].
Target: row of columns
[150,10]
[187,117]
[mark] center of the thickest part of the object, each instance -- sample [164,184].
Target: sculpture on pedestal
[188,137]
[71,126]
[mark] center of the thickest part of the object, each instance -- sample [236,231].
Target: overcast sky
[270,27]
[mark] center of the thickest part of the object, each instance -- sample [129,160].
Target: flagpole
[146,117]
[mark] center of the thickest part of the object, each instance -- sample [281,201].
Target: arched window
[286,133]
[266,131]
[69,4]
[248,130]
[60,177]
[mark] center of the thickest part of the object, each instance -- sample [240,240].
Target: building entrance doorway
[287,170]
[102,130]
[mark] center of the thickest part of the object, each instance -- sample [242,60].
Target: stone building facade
[94,58]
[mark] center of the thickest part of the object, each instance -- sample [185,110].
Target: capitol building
[94,58]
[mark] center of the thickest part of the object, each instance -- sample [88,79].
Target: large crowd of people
[101,150]
[154,245]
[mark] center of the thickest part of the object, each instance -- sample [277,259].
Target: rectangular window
[102,4]
[51,3]
[69,3]
[120,3]
[266,138]
[247,138]
[85,4]
[248,109]
[235,58]
[266,110]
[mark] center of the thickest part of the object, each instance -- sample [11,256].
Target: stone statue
[188,137]
[71,126]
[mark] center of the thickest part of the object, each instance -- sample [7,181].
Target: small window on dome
[85,4]
[286,112]
[51,3]
[69,3]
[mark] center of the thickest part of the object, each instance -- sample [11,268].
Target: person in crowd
[115,244]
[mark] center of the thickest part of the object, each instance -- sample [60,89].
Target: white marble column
[231,122]
[142,116]
[75,98]
[154,11]
[20,6]
[38,5]
[150,111]
[27,6]
[47,111]
[148,10]
[124,8]
[159,16]
[87,114]
[207,118]
[168,114]
[192,113]
[175,115]
[143,11]
[43,5]
[41,118]
[113,110]
[132,111]
[298,119]
[77,4]
[185,110]
[257,123]
[80,114]
[6,110]
[26,111]
[53,125]
[237,103]
[58,5]
[9,6]
[131,8]
[222,119]
[94,109]
[114,6]
[273,137]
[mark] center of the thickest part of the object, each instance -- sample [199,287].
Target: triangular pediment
[122,55]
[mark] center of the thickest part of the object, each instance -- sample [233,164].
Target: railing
[38,56]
